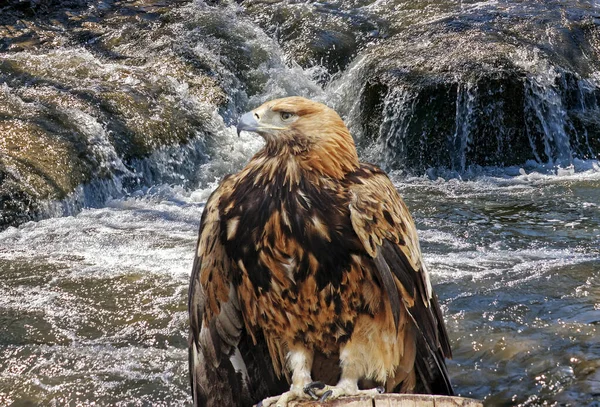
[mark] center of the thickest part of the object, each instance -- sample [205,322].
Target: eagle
[308,280]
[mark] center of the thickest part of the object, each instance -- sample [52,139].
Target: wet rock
[87,91]
[485,88]
[36,164]
[323,33]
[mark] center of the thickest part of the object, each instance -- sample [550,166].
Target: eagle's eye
[286,116]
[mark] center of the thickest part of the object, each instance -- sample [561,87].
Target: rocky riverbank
[88,90]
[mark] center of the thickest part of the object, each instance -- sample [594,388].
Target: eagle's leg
[348,384]
[345,387]
[300,362]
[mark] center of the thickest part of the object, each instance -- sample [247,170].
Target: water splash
[465,105]
[398,108]
[108,161]
[544,103]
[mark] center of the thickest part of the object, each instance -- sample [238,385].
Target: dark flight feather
[227,366]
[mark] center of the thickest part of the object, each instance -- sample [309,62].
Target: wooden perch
[394,400]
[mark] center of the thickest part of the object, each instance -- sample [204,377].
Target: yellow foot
[283,399]
[322,392]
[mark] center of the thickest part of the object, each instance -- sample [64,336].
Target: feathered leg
[300,362]
[352,372]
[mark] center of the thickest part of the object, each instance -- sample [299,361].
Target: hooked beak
[247,122]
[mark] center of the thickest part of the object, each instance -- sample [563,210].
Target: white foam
[153,233]
[502,267]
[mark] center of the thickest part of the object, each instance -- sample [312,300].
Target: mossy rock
[36,165]
[83,103]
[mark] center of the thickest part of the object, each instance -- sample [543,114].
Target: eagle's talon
[325,396]
[314,385]
[310,389]
[284,399]
[312,394]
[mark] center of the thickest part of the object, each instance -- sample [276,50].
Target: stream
[93,292]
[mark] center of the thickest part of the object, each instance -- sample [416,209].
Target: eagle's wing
[226,367]
[388,233]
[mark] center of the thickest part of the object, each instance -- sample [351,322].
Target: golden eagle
[308,279]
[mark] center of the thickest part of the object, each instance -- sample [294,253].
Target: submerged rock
[135,93]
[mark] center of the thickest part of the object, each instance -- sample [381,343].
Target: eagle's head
[310,131]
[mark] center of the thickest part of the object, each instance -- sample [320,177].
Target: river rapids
[485,113]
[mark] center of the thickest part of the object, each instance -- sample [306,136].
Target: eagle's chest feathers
[298,273]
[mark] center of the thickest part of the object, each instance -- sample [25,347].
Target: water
[95,304]
[93,298]
[517,267]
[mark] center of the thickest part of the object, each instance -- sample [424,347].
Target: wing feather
[388,233]
[228,367]
[386,277]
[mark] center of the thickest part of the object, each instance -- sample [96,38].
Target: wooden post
[394,400]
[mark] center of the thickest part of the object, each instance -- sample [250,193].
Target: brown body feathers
[307,251]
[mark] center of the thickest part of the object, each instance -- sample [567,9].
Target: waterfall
[398,108]
[551,119]
[548,116]
[460,141]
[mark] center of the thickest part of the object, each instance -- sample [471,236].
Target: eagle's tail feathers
[432,374]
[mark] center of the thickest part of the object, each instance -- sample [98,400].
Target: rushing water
[93,302]
[94,306]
